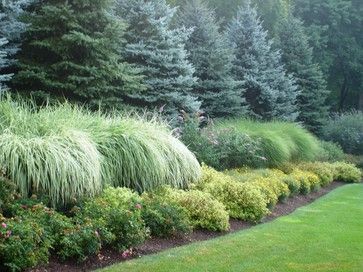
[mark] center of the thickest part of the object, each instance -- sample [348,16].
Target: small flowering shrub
[79,241]
[119,211]
[164,218]
[23,243]
[324,171]
[347,172]
[242,200]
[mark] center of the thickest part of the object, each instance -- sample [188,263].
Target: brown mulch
[108,256]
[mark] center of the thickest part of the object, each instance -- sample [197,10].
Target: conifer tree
[72,49]
[211,56]
[159,52]
[269,91]
[11,28]
[297,56]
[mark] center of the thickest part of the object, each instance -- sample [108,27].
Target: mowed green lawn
[324,236]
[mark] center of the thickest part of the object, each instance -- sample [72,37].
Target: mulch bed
[108,256]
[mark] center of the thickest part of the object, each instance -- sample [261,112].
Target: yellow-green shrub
[203,210]
[242,200]
[323,170]
[308,180]
[346,172]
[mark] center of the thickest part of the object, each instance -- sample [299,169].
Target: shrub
[242,200]
[70,237]
[67,152]
[269,182]
[203,210]
[308,181]
[119,211]
[79,241]
[354,159]
[293,184]
[279,142]
[164,218]
[221,148]
[323,170]
[346,172]
[347,130]
[7,193]
[330,152]
[23,243]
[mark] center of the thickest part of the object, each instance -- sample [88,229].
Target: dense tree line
[271,59]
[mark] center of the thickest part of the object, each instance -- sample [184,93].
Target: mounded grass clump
[67,152]
[280,142]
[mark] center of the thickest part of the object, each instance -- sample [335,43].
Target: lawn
[324,236]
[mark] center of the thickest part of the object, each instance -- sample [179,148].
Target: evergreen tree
[336,35]
[270,92]
[3,63]
[72,49]
[11,29]
[211,56]
[159,52]
[298,59]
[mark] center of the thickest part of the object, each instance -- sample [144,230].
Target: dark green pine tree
[159,52]
[297,56]
[72,49]
[269,91]
[211,56]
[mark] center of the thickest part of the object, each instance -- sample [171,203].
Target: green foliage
[330,152]
[298,59]
[164,218]
[279,142]
[268,90]
[335,32]
[308,181]
[157,50]
[324,171]
[7,193]
[203,210]
[211,56]
[347,172]
[242,200]
[71,50]
[224,148]
[66,152]
[11,29]
[24,243]
[119,211]
[346,130]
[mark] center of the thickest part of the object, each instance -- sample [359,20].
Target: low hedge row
[123,219]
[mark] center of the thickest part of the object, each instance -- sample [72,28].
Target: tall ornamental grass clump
[280,142]
[67,152]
